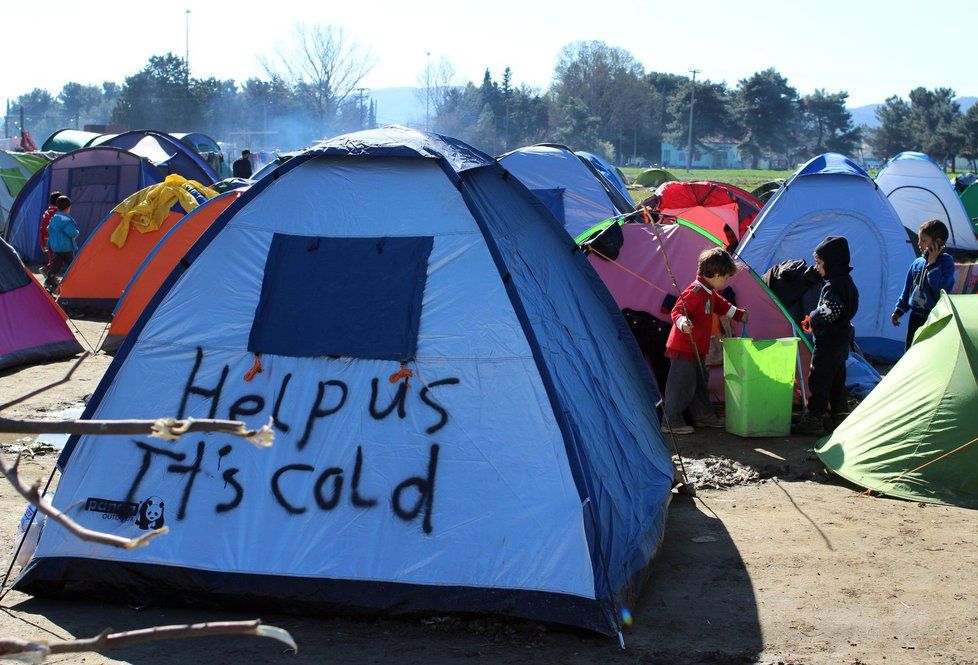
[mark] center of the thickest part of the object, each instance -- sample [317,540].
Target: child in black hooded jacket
[832,328]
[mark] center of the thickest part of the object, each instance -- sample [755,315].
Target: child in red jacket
[692,318]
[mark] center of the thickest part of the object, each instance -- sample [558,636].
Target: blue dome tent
[574,191]
[463,420]
[606,169]
[832,196]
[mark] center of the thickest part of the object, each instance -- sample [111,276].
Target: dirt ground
[784,565]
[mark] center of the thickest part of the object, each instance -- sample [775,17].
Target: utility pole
[360,120]
[427,93]
[692,101]
[6,122]
[186,51]
[22,119]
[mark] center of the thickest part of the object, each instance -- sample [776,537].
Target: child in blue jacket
[62,234]
[929,274]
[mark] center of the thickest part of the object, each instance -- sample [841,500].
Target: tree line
[601,99]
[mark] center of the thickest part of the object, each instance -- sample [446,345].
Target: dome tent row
[832,196]
[919,191]
[526,426]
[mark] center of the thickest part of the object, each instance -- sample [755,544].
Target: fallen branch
[33,495]
[106,640]
[64,379]
[162,428]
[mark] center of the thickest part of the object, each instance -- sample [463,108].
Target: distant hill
[866,115]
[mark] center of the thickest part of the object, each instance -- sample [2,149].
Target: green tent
[969,197]
[15,170]
[767,189]
[912,436]
[654,177]
[68,140]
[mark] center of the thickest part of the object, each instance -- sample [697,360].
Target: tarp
[587,197]
[95,179]
[910,437]
[832,196]
[525,429]
[640,281]
[32,326]
[919,191]
[158,265]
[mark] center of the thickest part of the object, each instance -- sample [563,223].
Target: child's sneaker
[710,421]
[678,429]
[809,424]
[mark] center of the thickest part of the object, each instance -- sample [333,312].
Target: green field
[744,178]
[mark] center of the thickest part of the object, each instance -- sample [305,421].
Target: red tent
[710,205]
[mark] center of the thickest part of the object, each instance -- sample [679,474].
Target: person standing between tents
[62,234]
[43,234]
[831,325]
[689,342]
[928,275]
[241,168]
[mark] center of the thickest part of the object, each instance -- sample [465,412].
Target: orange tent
[159,264]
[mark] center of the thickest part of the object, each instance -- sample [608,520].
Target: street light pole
[692,101]
[427,92]
[186,52]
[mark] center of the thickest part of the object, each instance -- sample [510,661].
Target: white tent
[919,191]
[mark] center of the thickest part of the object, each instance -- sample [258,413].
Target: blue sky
[870,49]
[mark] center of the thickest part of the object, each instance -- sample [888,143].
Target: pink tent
[639,280]
[32,326]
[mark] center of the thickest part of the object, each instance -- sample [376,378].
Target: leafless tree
[322,65]
[434,82]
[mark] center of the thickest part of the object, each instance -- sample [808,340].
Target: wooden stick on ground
[162,428]
[107,640]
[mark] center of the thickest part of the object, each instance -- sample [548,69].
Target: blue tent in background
[606,169]
[463,420]
[574,191]
[95,179]
[832,196]
[169,153]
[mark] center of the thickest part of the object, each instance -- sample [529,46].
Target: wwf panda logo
[150,514]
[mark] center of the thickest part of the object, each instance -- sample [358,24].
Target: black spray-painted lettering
[397,402]
[336,474]
[229,479]
[318,412]
[248,405]
[214,394]
[426,493]
[193,470]
[358,500]
[277,490]
[276,421]
[442,413]
[148,452]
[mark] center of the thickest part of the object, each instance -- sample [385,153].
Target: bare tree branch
[162,428]
[64,379]
[106,640]
[33,495]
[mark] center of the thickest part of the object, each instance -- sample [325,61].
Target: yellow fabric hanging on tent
[147,209]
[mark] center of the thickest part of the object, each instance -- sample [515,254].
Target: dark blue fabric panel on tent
[615,446]
[354,297]
[554,200]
